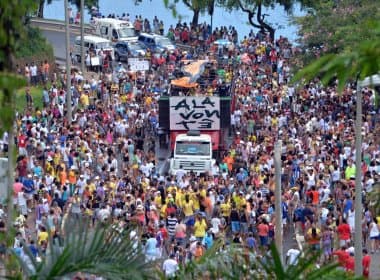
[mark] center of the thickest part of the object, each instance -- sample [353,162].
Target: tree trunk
[195,17]
[251,15]
[263,24]
[41,7]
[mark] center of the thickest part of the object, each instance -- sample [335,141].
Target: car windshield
[103,45]
[192,148]
[135,46]
[164,42]
[126,32]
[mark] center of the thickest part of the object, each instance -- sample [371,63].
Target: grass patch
[20,99]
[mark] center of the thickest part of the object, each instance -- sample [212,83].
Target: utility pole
[278,202]
[82,36]
[358,185]
[68,65]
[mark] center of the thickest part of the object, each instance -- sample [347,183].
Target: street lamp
[68,64]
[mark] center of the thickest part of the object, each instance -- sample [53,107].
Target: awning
[183,82]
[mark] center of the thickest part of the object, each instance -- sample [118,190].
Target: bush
[34,47]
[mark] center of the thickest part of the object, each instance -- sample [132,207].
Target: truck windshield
[164,42]
[126,32]
[192,148]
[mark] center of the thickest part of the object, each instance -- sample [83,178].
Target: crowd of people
[103,164]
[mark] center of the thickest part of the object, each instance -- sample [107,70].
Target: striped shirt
[171,223]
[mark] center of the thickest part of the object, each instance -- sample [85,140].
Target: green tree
[12,30]
[196,6]
[106,251]
[333,26]
[351,64]
[41,7]
[254,10]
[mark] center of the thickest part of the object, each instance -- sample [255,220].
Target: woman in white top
[374,235]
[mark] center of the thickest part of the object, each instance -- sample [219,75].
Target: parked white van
[94,44]
[114,29]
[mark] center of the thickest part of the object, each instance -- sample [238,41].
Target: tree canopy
[196,6]
[335,26]
[255,10]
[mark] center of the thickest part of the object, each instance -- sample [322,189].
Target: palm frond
[102,251]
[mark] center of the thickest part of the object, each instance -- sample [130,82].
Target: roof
[183,82]
[202,137]
[93,38]
[113,21]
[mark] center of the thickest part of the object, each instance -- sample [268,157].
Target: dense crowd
[104,165]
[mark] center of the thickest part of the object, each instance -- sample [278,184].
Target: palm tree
[106,251]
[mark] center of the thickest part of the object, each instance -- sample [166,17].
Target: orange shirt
[263,229]
[229,161]
[62,177]
[72,177]
[198,252]
[207,204]
[315,197]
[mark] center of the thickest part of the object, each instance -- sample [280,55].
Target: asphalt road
[58,40]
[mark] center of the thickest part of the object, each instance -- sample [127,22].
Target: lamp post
[278,200]
[68,65]
[358,236]
[82,35]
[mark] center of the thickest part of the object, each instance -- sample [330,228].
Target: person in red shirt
[366,263]
[350,264]
[17,187]
[314,196]
[263,231]
[342,255]
[21,143]
[344,233]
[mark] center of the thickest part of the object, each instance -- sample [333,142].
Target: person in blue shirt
[29,188]
[33,249]
[347,205]
[37,170]
[208,240]
[250,241]
[151,248]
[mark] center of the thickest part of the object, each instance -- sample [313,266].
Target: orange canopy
[183,82]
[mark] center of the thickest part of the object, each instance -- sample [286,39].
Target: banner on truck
[194,113]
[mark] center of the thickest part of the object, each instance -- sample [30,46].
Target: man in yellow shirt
[225,209]
[200,227]
[43,236]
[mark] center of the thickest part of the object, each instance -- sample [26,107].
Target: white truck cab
[92,44]
[192,152]
[114,29]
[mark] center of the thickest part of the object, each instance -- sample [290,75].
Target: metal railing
[60,25]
